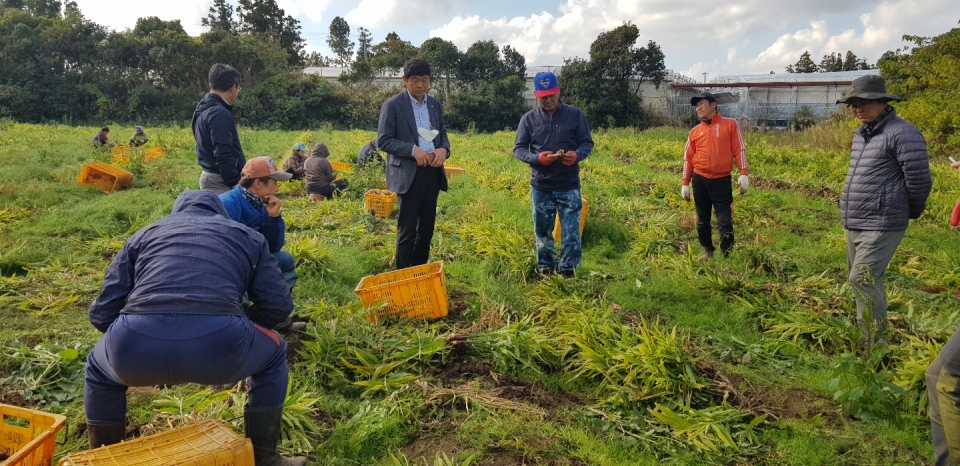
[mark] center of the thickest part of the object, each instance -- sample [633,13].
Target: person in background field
[294,163]
[102,139]
[887,185]
[139,137]
[369,154]
[712,148]
[943,391]
[554,181]
[218,145]
[170,313]
[322,182]
[412,133]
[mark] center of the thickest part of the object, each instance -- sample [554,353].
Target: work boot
[289,326]
[262,427]
[105,433]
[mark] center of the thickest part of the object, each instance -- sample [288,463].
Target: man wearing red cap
[544,132]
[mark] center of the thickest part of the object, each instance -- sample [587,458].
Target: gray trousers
[213,182]
[942,390]
[868,255]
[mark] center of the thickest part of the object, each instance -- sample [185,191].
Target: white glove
[685,192]
[744,183]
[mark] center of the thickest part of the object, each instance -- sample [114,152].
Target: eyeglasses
[238,87]
[859,104]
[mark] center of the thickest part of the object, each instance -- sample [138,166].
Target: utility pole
[705,77]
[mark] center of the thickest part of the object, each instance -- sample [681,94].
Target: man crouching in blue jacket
[170,309]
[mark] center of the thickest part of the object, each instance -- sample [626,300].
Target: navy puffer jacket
[889,177]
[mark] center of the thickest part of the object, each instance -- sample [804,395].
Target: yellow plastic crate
[452,170]
[120,160]
[418,292]
[341,167]
[28,437]
[379,201]
[583,220]
[206,443]
[104,176]
[154,153]
[120,149]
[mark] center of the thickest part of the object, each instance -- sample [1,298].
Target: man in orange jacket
[712,148]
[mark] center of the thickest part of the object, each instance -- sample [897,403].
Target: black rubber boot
[262,427]
[105,433]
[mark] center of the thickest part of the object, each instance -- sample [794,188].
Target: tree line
[61,66]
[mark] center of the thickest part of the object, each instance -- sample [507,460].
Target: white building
[768,99]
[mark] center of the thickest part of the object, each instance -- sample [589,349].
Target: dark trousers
[715,193]
[418,215]
[158,349]
[331,189]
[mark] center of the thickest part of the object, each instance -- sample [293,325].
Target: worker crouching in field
[139,137]
[322,182]
[294,162]
[254,203]
[171,314]
[712,148]
[102,139]
[553,138]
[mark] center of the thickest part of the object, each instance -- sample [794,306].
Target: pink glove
[569,158]
[545,159]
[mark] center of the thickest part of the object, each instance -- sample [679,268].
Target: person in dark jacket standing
[887,185]
[554,181]
[412,133]
[170,313]
[218,145]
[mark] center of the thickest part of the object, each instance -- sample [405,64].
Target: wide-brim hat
[870,87]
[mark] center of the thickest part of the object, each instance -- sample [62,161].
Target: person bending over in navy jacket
[170,312]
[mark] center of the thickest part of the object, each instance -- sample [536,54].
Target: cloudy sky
[697,36]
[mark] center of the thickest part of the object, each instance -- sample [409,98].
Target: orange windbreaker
[712,148]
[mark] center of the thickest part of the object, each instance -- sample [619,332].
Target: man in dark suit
[414,137]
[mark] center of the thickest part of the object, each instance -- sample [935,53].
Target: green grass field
[650,355]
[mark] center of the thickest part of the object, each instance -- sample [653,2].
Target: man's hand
[743,182]
[955,165]
[439,156]
[423,159]
[273,204]
[685,192]
[545,158]
[569,158]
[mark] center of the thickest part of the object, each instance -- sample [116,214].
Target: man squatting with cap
[170,313]
[254,203]
[554,187]
[712,147]
[218,145]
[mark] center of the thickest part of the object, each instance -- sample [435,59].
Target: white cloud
[312,9]
[120,14]
[391,13]
[881,31]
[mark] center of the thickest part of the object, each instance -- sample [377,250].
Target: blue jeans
[287,268]
[545,205]
[158,349]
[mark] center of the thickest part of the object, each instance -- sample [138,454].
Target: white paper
[428,134]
